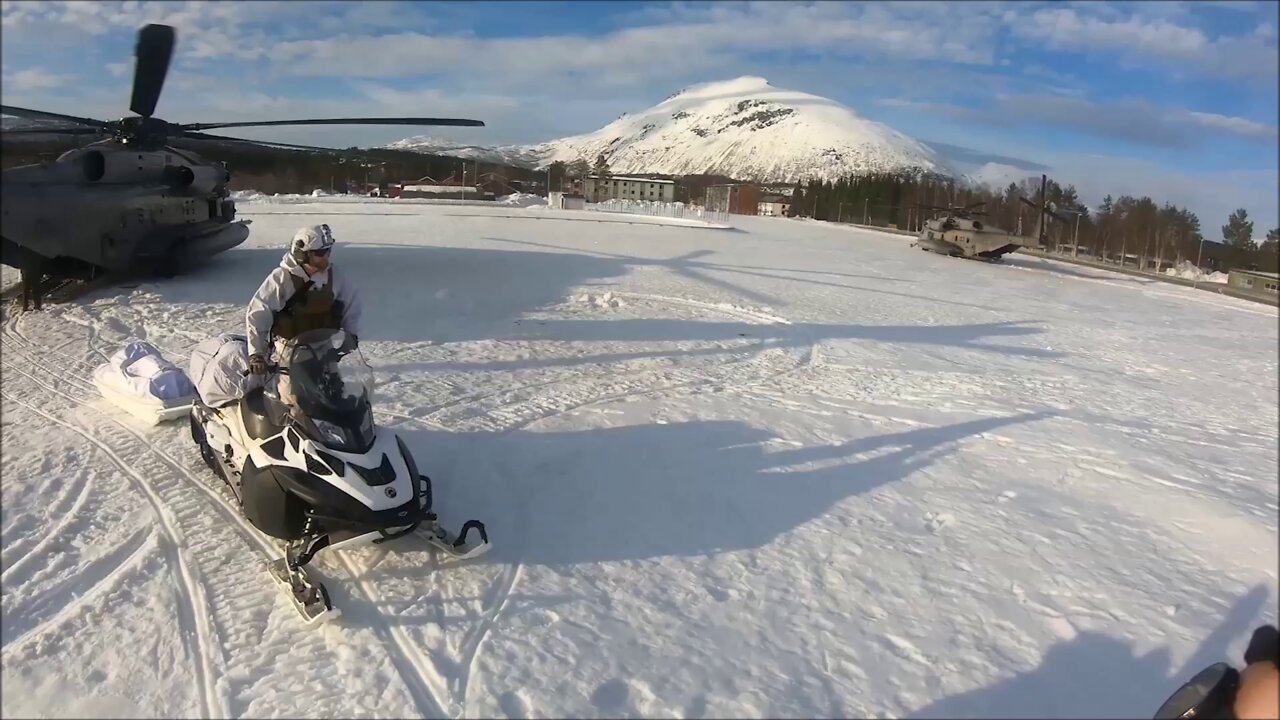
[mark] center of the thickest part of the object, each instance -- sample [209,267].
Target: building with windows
[622,187]
[1260,282]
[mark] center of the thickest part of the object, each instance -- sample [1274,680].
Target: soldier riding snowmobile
[302,454]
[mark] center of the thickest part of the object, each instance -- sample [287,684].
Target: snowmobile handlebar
[1211,693]
[272,368]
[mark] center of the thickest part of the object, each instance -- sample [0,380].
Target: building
[621,187]
[1254,280]
[774,205]
[737,198]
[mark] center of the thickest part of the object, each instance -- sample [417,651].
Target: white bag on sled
[218,367]
[140,381]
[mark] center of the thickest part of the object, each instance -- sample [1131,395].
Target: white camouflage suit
[276,290]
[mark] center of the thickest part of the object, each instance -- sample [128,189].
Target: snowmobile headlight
[331,431]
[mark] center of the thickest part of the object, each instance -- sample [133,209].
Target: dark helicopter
[130,205]
[961,232]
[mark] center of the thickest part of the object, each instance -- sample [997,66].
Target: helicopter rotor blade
[42,115]
[977,204]
[456,122]
[1029,204]
[153,52]
[55,131]
[223,138]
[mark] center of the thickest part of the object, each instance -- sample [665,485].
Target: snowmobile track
[242,615]
[500,593]
[100,575]
[419,673]
[66,506]
[415,669]
[193,623]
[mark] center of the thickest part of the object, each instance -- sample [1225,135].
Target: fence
[654,208]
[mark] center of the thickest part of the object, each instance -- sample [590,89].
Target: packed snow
[785,469]
[1187,270]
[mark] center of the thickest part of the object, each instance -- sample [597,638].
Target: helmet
[309,239]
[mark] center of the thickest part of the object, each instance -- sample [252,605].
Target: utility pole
[866,218]
[1199,254]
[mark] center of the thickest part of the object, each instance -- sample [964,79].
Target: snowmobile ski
[309,598]
[455,547]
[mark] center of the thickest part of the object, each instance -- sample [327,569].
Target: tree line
[1129,226]
[273,170]
[1136,227]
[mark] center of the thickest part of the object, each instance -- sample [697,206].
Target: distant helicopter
[130,204]
[960,232]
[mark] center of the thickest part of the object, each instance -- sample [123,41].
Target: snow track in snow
[240,617]
[192,620]
[724,477]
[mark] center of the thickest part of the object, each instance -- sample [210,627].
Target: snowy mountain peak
[747,129]
[742,128]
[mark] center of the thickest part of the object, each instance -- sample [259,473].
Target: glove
[1263,646]
[257,365]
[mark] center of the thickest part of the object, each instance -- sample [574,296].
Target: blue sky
[1177,100]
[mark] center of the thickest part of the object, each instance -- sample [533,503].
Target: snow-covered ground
[786,469]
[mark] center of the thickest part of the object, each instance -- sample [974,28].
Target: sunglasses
[322,253]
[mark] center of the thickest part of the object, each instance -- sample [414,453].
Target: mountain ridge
[747,129]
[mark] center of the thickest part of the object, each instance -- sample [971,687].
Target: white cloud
[33,79]
[1132,119]
[1234,125]
[1140,39]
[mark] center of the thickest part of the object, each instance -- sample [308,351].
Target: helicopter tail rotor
[153,51]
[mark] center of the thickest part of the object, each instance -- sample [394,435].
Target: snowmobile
[317,473]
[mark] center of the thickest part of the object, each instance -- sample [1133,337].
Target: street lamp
[1195,279]
[1075,237]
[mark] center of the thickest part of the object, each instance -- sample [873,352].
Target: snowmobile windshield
[330,378]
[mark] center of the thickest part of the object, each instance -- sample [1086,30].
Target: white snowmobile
[319,474]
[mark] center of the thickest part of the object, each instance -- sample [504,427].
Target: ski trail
[418,671]
[500,594]
[98,577]
[518,413]
[408,670]
[78,494]
[242,581]
[192,623]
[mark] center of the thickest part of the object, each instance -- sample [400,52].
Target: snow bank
[521,200]
[1188,271]
[258,198]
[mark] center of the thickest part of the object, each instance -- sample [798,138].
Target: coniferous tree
[1238,232]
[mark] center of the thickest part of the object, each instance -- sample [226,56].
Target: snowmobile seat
[260,420]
